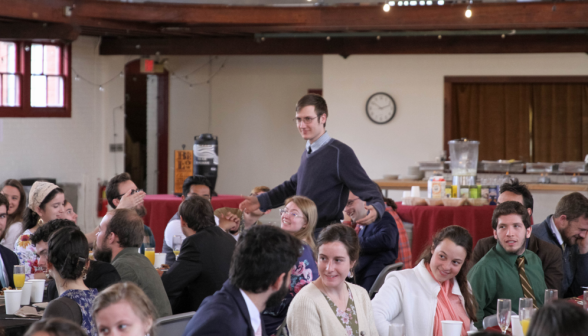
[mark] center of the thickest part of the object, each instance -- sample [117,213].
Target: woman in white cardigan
[435,290]
[329,305]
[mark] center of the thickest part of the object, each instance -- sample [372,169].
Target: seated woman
[435,290]
[55,327]
[299,218]
[123,308]
[329,305]
[45,204]
[16,195]
[67,263]
[561,318]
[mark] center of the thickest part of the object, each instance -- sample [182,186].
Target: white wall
[416,84]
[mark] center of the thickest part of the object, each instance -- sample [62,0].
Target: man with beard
[259,278]
[203,264]
[121,186]
[119,236]
[508,270]
[567,229]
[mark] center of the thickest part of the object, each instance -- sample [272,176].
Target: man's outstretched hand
[251,203]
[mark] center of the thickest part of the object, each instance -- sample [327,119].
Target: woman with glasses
[299,219]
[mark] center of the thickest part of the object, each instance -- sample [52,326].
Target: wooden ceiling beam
[38,31]
[347,46]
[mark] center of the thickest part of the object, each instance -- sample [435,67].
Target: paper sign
[184,163]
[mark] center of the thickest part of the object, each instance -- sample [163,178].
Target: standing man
[567,229]
[328,170]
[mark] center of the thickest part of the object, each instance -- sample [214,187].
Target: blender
[464,162]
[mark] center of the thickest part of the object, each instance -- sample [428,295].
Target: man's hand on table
[371,216]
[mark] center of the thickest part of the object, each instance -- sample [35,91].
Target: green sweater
[135,267]
[496,276]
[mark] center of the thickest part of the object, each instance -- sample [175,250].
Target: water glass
[550,295]
[19,276]
[525,318]
[503,309]
[177,244]
[525,303]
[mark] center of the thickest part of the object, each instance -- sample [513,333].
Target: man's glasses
[306,120]
[134,191]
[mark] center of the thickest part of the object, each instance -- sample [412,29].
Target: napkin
[28,311]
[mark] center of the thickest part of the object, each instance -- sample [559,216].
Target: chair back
[173,325]
[382,277]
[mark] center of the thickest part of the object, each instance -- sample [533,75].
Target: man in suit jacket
[205,257]
[260,278]
[378,241]
[550,255]
[567,230]
[9,258]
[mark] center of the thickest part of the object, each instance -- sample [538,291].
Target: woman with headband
[45,204]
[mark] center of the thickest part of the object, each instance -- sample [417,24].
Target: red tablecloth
[160,208]
[428,220]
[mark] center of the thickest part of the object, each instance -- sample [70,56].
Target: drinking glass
[525,315]
[525,303]
[177,244]
[150,254]
[585,300]
[503,309]
[550,295]
[19,276]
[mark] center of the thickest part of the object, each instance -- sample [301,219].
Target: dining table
[12,325]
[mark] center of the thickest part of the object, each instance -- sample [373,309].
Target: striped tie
[527,289]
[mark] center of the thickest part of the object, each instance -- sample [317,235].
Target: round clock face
[380,108]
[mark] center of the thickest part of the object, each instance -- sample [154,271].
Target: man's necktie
[309,150]
[527,289]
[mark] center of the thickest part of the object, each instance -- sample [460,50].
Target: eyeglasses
[306,120]
[350,202]
[293,214]
[132,192]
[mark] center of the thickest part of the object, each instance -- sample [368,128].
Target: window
[35,80]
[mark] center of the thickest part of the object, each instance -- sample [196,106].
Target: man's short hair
[197,212]
[128,226]
[46,230]
[262,254]
[518,189]
[112,187]
[319,103]
[195,180]
[510,208]
[4,201]
[574,206]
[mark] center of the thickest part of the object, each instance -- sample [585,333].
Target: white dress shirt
[555,231]
[253,312]
[174,228]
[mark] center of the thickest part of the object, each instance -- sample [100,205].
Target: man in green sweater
[508,270]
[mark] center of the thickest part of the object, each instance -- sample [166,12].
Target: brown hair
[340,233]
[310,213]
[561,318]
[511,208]
[56,327]
[17,216]
[319,103]
[133,295]
[128,226]
[573,206]
[258,190]
[112,187]
[461,237]
[197,212]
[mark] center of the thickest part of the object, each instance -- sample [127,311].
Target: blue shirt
[318,143]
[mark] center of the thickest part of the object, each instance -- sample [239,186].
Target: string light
[101,88]
[468,12]
[386,8]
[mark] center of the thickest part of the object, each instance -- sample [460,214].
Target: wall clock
[380,108]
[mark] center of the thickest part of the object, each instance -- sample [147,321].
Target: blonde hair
[258,190]
[131,293]
[310,213]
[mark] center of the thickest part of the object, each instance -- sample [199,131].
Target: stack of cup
[37,289]
[406,194]
[12,300]
[415,191]
[451,328]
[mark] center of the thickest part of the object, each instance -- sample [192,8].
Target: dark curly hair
[56,327]
[44,232]
[68,252]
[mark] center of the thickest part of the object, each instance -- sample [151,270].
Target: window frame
[25,110]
